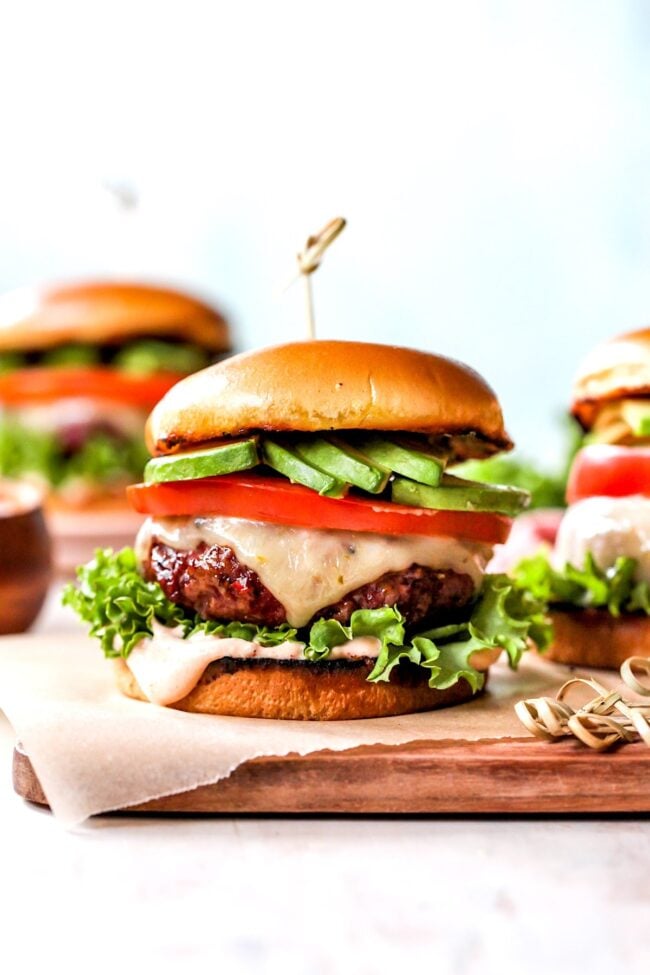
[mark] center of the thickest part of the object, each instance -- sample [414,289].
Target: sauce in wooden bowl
[25,558]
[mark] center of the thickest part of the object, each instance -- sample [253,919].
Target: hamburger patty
[213,582]
[420,594]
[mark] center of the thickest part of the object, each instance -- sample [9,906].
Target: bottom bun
[595,638]
[298,690]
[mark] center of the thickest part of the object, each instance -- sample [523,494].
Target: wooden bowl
[25,556]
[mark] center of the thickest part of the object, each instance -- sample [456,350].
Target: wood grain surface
[500,776]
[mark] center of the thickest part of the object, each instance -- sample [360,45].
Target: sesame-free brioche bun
[105,312]
[595,638]
[330,385]
[615,369]
[299,690]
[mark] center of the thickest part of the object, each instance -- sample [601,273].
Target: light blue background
[493,161]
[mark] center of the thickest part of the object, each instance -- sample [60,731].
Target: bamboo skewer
[603,721]
[309,259]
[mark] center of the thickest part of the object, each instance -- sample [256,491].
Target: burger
[305,554]
[597,578]
[81,366]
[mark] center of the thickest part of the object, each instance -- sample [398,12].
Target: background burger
[81,366]
[598,578]
[305,554]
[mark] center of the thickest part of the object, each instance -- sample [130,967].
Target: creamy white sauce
[608,528]
[167,667]
[308,569]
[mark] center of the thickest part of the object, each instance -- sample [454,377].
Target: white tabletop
[321,895]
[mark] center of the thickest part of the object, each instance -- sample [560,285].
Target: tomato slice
[44,384]
[274,500]
[607,470]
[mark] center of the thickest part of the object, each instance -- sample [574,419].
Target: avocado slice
[10,361]
[153,355]
[403,458]
[455,494]
[240,455]
[74,354]
[286,460]
[337,458]
[636,414]
[612,433]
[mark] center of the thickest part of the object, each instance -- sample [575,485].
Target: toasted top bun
[329,385]
[615,369]
[103,312]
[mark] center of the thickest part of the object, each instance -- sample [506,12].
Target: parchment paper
[95,750]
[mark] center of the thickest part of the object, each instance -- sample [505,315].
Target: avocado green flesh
[414,464]
[454,494]
[10,361]
[72,355]
[224,459]
[342,462]
[286,461]
[153,355]
[637,417]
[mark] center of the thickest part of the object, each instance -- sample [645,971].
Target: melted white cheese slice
[307,569]
[608,528]
[167,667]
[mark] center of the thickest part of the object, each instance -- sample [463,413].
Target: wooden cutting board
[498,776]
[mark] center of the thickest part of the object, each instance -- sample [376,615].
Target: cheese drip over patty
[307,569]
[608,528]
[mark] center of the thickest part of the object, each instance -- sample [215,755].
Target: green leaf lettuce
[121,608]
[613,588]
[101,459]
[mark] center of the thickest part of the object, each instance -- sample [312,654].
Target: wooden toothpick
[310,258]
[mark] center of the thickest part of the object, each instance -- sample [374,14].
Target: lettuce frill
[121,608]
[613,588]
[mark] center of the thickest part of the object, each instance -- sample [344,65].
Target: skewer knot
[601,722]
